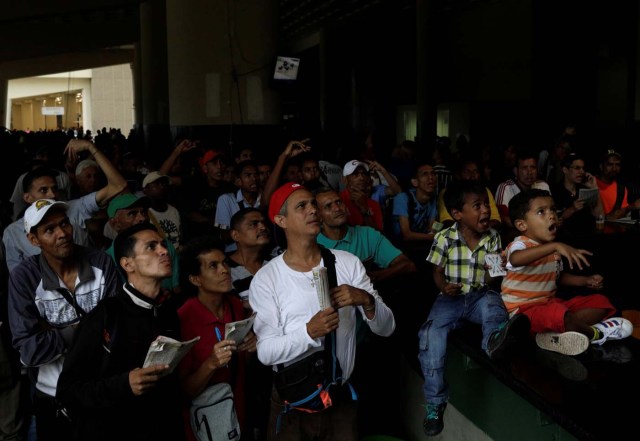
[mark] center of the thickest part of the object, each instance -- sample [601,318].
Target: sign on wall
[52,111]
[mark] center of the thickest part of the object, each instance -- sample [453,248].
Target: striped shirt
[533,283]
[462,264]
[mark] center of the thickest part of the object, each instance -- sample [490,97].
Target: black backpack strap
[71,299]
[329,260]
[330,264]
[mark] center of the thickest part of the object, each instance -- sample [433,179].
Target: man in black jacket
[108,393]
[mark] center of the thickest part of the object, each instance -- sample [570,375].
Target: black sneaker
[509,332]
[433,422]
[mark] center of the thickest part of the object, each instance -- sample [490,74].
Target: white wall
[107,94]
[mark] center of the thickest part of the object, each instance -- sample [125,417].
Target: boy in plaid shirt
[458,255]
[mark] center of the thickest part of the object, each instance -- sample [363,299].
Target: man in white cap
[156,187]
[290,325]
[361,209]
[48,295]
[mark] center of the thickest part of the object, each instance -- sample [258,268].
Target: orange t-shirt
[608,193]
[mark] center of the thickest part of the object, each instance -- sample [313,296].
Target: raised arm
[183,146]
[394,187]
[116,183]
[293,149]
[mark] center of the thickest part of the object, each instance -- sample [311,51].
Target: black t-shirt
[203,198]
[581,222]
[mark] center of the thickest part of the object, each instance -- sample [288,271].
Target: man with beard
[48,295]
[613,192]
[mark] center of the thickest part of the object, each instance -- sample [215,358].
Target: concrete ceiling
[46,32]
[32,29]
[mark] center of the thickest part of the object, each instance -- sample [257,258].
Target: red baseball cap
[279,197]
[209,156]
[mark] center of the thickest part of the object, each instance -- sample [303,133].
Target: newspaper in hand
[165,350]
[589,196]
[237,331]
[321,282]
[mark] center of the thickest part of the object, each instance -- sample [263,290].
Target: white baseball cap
[37,210]
[351,166]
[153,177]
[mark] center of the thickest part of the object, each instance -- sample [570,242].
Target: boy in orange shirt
[534,265]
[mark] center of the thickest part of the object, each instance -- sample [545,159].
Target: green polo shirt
[371,246]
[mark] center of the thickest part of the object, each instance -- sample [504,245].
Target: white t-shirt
[509,189]
[285,300]
[170,223]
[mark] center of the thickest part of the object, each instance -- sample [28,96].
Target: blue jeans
[448,313]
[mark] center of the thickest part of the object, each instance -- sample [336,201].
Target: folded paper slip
[237,331]
[321,282]
[164,350]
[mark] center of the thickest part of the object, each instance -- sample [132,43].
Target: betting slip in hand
[494,261]
[166,350]
[237,331]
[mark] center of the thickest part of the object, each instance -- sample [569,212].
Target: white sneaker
[615,328]
[567,343]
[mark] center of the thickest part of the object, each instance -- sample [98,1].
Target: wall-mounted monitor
[286,68]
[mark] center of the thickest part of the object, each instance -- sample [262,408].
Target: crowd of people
[104,250]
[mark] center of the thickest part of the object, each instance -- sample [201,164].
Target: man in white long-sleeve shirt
[289,323]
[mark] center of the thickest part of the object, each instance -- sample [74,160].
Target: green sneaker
[433,422]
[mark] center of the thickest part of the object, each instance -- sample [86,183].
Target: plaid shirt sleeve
[438,250]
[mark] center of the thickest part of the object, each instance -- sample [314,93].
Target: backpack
[213,415]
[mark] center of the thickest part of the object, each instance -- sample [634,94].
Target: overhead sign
[53,111]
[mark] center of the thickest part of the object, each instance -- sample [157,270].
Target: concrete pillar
[425,86]
[151,56]
[86,110]
[5,104]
